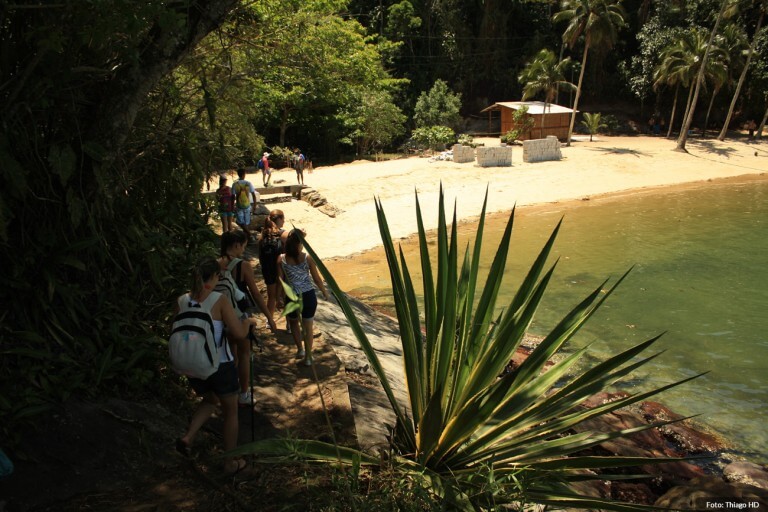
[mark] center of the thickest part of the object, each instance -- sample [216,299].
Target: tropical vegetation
[114,115]
[593,123]
[468,419]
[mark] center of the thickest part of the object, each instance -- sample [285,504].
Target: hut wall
[555,124]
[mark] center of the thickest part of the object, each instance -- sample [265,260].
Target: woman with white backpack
[239,284]
[215,312]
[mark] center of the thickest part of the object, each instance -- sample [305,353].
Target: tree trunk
[672,117]
[681,140]
[578,91]
[741,78]
[709,110]
[117,103]
[760,128]
[687,107]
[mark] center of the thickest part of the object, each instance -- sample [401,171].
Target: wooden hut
[555,120]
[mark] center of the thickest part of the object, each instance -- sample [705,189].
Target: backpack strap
[235,268]
[226,286]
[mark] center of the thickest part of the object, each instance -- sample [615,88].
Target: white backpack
[192,346]
[228,288]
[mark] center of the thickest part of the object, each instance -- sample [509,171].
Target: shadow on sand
[622,151]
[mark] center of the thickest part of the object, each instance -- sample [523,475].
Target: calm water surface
[700,259]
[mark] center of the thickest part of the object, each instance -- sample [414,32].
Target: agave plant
[466,421]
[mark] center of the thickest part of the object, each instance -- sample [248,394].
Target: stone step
[276,198]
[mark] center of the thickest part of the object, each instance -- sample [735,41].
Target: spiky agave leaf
[467,424]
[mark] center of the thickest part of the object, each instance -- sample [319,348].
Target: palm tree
[763,6]
[681,140]
[545,74]
[678,67]
[599,22]
[681,62]
[725,59]
[593,123]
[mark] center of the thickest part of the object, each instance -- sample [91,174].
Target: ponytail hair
[292,244]
[270,229]
[230,238]
[205,269]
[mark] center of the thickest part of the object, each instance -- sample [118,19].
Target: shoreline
[609,167]
[566,204]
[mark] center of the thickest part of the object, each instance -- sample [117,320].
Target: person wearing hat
[266,173]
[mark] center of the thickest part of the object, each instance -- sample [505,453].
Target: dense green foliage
[100,197]
[433,137]
[438,106]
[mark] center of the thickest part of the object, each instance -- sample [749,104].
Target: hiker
[266,173]
[244,191]
[270,248]
[222,386]
[241,272]
[277,217]
[226,201]
[300,162]
[298,270]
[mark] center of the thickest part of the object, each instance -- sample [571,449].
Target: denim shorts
[244,216]
[309,306]
[223,382]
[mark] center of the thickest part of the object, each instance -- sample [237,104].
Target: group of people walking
[225,288]
[238,202]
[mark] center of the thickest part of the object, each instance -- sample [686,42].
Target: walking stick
[252,338]
[253,426]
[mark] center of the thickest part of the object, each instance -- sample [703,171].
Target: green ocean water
[700,274]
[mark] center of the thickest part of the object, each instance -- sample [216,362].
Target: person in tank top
[298,270]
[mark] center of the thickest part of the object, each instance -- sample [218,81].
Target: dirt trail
[119,454]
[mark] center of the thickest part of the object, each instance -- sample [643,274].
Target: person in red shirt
[226,204]
[265,171]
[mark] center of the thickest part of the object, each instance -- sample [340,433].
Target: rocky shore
[713,477]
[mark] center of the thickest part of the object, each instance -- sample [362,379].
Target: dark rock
[628,492]
[747,473]
[706,492]
[604,398]
[647,443]
[691,440]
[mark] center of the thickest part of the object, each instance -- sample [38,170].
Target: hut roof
[534,107]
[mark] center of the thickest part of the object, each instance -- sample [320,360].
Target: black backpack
[269,248]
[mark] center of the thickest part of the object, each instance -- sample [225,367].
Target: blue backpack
[260,164]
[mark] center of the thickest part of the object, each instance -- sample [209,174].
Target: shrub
[433,137]
[523,124]
[480,437]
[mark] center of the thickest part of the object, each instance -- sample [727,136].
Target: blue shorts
[310,306]
[244,216]
[222,383]
[227,214]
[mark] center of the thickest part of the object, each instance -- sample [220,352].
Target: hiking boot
[244,400]
[300,354]
[308,361]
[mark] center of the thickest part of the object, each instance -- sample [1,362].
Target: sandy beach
[608,165]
